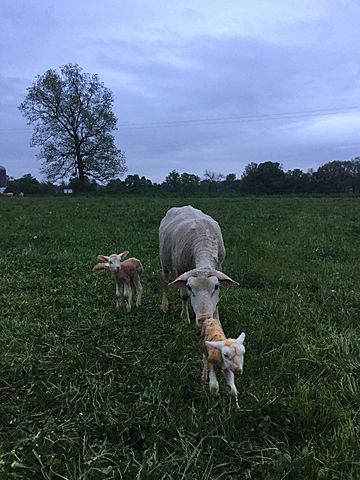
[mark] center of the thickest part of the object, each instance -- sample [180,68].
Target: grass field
[88,392]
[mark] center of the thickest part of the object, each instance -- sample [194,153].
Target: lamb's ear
[241,338]
[225,279]
[103,258]
[100,266]
[123,255]
[181,280]
[215,344]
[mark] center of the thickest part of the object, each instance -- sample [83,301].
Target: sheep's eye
[188,287]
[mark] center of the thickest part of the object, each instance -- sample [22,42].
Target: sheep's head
[112,262]
[232,352]
[202,287]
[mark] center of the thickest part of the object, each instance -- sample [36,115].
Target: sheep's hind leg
[165,289]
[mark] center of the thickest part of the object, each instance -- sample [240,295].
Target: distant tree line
[267,178]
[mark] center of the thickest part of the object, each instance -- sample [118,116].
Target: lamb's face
[204,296]
[114,262]
[232,352]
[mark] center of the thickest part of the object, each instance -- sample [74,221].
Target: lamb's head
[203,289]
[113,261]
[232,352]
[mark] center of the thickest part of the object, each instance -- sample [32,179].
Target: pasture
[88,392]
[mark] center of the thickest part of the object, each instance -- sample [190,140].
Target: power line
[219,120]
[266,116]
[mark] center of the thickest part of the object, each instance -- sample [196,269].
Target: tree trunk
[80,167]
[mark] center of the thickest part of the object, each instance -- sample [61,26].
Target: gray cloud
[195,61]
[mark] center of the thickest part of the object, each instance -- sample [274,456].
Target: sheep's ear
[123,255]
[215,345]
[181,280]
[103,258]
[241,338]
[225,279]
[100,266]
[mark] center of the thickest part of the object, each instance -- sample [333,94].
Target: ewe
[192,247]
[221,354]
[126,275]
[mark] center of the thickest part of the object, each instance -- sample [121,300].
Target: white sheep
[126,275]
[221,354]
[192,247]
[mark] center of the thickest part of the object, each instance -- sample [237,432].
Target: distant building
[3,179]
[68,190]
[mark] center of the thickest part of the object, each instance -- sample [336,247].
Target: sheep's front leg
[138,289]
[118,294]
[165,290]
[184,305]
[213,383]
[229,375]
[128,296]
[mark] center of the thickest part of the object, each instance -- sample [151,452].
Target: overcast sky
[248,81]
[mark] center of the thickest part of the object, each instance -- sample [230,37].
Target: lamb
[126,275]
[221,354]
[192,247]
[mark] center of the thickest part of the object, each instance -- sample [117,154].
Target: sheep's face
[204,296]
[202,286]
[113,262]
[232,352]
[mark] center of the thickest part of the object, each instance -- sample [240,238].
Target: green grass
[88,392]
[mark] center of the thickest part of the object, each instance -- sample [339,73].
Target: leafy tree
[28,184]
[114,186]
[87,185]
[296,181]
[263,178]
[73,119]
[172,182]
[231,184]
[339,176]
[189,182]
[355,174]
[134,181]
[250,169]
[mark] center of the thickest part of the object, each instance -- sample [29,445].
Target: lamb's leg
[165,287]
[229,375]
[205,368]
[118,287]
[184,305]
[128,296]
[138,289]
[213,383]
